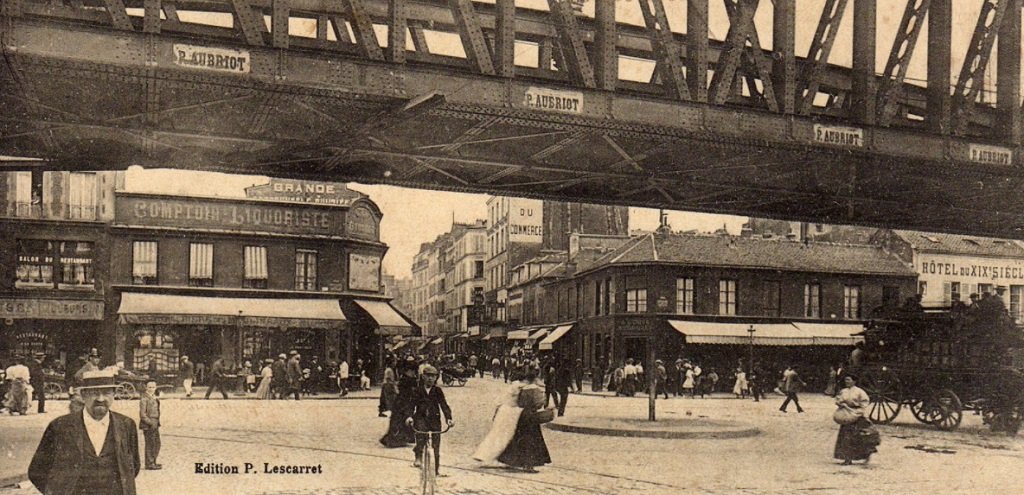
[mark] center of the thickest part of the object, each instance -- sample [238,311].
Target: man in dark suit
[95,451]
[294,374]
[37,379]
[424,414]
[149,423]
[279,382]
[217,379]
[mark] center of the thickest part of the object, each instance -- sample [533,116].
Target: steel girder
[899,59]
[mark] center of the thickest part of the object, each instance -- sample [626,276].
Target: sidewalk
[199,393]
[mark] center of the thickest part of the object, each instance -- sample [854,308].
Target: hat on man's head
[39,354]
[292,352]
[282,356]
[429,370]
[268,360]
[94,352]
[98,379]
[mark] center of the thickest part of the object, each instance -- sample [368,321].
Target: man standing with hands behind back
[95,451]
[149,423]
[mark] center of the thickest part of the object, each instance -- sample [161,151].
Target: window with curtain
[812,300]
[82,196]
[144,263]
[76,270]
[200,264]
[684,296]
[851,302]
[727,297]
[35,264]
[22,194]
[255,259]
[636,300]
[305,269]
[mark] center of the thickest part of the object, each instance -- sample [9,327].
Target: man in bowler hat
[95,451]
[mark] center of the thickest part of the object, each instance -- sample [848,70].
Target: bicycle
[428,478]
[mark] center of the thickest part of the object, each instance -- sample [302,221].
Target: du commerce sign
[526,221]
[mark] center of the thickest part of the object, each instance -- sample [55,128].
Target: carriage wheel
[919,411]
[52,390]
[125,391]
[945,410]
[884,391]
[446,378]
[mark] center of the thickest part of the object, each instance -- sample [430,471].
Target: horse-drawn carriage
[940,364]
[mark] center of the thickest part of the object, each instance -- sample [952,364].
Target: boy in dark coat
[424,414]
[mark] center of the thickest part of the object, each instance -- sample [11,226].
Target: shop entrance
[634,347]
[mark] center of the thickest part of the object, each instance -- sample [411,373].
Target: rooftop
[961,244]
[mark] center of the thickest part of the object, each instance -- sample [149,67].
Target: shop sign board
[361,223]
[850,137]
[228,215]
[973,269]
[553,100]
[212,59]
[50,309]
[990,155]
[363,272]
[526,221]
[301,191]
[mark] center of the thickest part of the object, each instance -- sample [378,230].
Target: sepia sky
[411,216]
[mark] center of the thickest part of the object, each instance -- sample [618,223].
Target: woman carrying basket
[857,436]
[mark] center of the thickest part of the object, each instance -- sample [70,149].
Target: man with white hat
[96,451]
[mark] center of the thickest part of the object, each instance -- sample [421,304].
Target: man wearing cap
[294,374]
[188,374]
[96,451]
[424,414]
[149,423]
[279,380]
[37,380]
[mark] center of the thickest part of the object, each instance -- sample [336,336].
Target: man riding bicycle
[427,405]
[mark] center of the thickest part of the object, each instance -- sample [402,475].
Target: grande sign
[300,191]
[51,309]
[228,215]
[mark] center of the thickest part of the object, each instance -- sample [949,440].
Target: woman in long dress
[266,376]
[527,449]
[689,383]
[398,434]
[503,427]
[740,389]
[849,444]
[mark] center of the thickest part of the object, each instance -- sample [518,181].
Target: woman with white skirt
[506,417]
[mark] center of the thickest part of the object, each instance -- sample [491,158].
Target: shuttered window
[255,258]
[1016,291]
[200,264]
[144,263]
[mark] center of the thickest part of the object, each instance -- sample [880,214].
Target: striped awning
[549,341]
[171,309]
[768,334]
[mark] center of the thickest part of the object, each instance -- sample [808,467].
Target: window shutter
[947,293]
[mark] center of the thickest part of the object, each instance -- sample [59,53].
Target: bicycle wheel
[427,475]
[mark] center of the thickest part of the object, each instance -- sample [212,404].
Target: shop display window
[54,264]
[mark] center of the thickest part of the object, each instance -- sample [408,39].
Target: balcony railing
[43,211]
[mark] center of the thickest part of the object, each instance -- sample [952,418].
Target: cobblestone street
[791,455]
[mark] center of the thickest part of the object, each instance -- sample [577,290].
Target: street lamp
[750,364]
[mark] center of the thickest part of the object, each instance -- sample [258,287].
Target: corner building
[246,279]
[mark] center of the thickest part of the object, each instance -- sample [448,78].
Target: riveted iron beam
[741,32]
[899,59]
[697,49]
[865,36]
[784,48]
[118,15]
[570,40]
[665,49]
[151,16]
[279,23]
[419,40]
[1008,77]
[473,42]
[940,54]
[340,28]
[971,81]
[505,37]
[362,27]
[249,22]
[818,54]
[606,54]
[398,12]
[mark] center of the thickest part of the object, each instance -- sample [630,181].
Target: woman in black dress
[398,434]
[527,448]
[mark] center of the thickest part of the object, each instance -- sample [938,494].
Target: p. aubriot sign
[212,59]
[551,100]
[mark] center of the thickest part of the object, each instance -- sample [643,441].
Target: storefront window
[54,264]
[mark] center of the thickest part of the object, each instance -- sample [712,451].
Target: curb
[662,434]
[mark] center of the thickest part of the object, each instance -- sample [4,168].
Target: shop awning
[474,330]
[833,333]
[518,335]
[770,334]
[437,341]
[538,334]
[459,335]
[398,345]
[486,337]
[168,309]
[559,332]
[389,321]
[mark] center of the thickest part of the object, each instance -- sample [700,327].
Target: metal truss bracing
[331,101]
[899,59]
[972,76]
[817,55]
